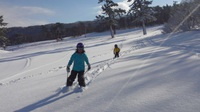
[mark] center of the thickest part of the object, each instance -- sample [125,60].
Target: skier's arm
[70,61]
[87,62]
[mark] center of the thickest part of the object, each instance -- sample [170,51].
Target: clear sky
[39,12]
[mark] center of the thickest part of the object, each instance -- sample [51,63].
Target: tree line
[112,18]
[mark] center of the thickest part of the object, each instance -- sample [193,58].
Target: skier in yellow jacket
[116,51]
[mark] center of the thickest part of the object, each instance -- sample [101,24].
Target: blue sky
[39,12]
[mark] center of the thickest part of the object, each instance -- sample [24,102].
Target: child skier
[78,59]
[116,51]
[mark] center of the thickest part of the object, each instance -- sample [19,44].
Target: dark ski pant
[72,77]
[116,54]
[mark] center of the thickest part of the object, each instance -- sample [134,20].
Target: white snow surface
[154,73]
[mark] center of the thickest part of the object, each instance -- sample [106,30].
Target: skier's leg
[81,79]
[117,54]
[71,78]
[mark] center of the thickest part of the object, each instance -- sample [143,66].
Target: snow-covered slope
[155,73]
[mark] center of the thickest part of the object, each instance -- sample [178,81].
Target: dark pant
[72,77]
[116,54]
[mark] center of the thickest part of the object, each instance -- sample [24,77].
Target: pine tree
[142,12]
[3,39]
[110,13]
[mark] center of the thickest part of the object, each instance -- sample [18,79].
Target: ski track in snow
[12,79]
[28,63]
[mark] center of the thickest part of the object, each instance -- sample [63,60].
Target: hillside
[154,73]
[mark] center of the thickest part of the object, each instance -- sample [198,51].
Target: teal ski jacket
[78,60]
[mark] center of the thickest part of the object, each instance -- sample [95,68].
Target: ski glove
[68,69]
[89,67]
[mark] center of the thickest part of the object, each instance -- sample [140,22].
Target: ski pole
[67,77]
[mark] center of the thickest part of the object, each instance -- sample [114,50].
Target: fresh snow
[154,73]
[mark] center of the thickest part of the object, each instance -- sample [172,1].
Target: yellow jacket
[116,49]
